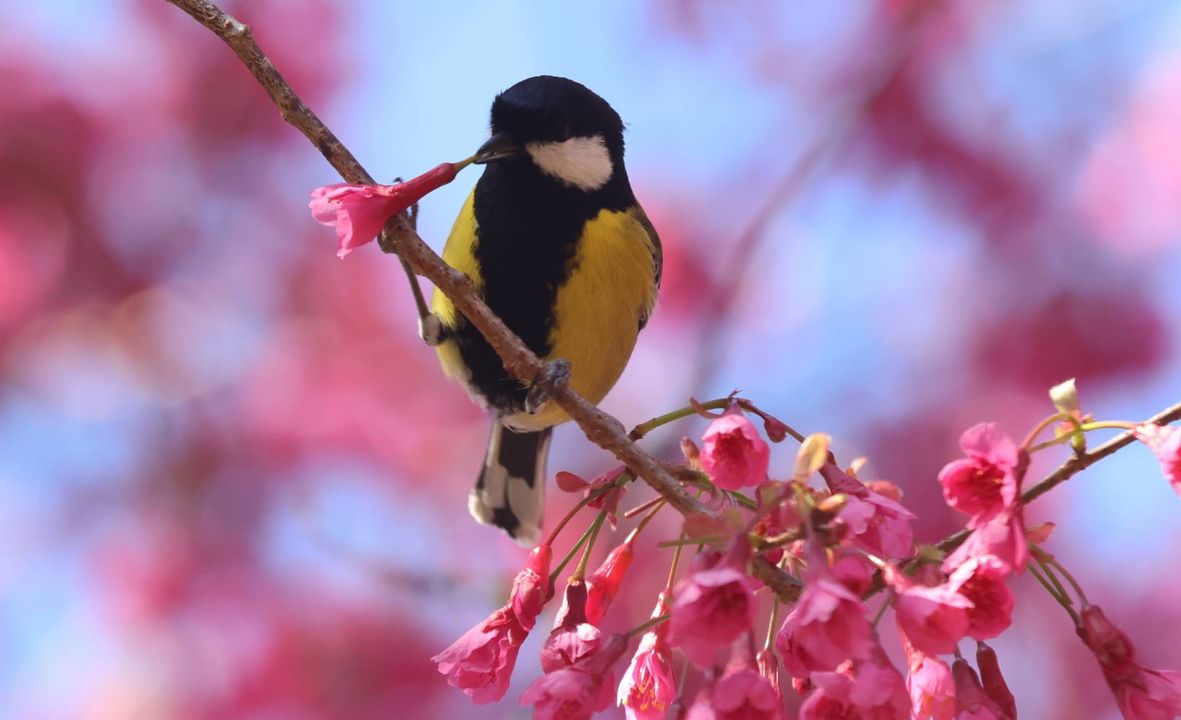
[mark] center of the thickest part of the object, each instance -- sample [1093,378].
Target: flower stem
[590,498]
[772,623]
[1085,427]
[748,406]
[645,507]
[647,626]
[580,571]
[683,541]
[631,537]
[648,426]
[742,500]
[1048,561]
[1060,599]
[1040,428]
[672,569]
[553,576]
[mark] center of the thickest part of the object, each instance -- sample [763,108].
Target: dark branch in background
[714,327]
[599,427]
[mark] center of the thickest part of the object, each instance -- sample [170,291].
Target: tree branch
[599,427]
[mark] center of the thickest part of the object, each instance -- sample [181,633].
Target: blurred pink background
[233,481]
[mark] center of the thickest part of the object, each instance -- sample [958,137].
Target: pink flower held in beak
[359,212]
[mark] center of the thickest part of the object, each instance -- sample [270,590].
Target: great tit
[557,246]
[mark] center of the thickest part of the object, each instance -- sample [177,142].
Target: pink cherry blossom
[853,571]
[481,661]
[359,212]
[982,581]
[1154,695]
[986,481]
[572,638]
[742,693]
[827,627]
[1165,443]
[992,680]
[769,667]
[1002,537]
[1140,693]
[933,619]
[702,707]
[866,690]
[971,702]
[733,454]
[531,587]
[576,659]
[649,686]
[567,694]
[712,606]
[876,523]
[931,687]
[604,583]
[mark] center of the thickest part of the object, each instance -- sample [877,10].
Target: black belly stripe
[528,234]
[528,229]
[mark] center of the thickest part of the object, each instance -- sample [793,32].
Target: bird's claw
[431,330]
[555,375]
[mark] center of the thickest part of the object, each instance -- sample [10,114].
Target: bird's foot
[555,375]
[431,330]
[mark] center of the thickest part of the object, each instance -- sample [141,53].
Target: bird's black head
[569,133]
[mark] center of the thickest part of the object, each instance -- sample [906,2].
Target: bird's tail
[510,492]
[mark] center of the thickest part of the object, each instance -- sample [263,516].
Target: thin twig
[520,362]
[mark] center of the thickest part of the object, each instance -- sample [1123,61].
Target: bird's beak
[499,147]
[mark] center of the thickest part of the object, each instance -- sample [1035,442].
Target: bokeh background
[233,481]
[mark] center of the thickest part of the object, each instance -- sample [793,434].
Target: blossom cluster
[848,544]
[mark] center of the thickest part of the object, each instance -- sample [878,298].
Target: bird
[557,246]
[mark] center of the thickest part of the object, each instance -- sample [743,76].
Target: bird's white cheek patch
[582,162]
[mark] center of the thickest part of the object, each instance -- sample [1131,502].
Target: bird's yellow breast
[597,311]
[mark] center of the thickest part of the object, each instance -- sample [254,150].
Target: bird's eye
[565,132]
